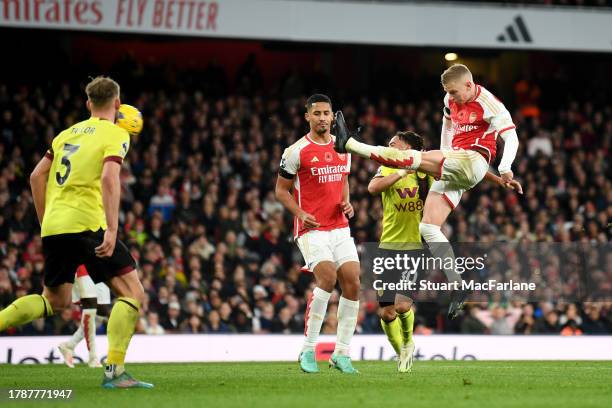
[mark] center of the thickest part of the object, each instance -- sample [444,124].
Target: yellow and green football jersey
[73,201]
[402,210]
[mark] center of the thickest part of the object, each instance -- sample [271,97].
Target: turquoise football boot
[124,381]
[308,363]
[342,363]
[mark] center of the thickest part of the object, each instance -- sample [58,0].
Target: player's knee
[327,283]
[429,231]
[387,313]
[326,276]
[137,292]
[350,289]
[403,306]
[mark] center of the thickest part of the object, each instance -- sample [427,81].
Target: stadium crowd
[214,247]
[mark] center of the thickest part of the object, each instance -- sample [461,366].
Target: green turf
[449,384]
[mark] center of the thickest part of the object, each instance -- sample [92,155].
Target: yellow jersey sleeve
[117,145]
[384,171]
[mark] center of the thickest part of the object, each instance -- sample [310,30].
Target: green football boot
[308,363]
[342,363]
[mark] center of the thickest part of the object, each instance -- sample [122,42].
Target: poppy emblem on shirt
[328,157]
[473,117]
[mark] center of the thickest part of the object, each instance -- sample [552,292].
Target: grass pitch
[431,383]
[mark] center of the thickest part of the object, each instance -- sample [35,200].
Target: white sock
[440,248]
[76,337]
[387,156]
[315,313]
[88,323]
[348,310]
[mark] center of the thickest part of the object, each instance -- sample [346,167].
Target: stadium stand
[214,246]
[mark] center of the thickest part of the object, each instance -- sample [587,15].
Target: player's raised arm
[38,183]
[446,135]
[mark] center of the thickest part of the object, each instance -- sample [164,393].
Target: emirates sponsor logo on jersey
[329,174]
[464,128]
[320,171]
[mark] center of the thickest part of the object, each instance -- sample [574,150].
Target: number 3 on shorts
[70,149]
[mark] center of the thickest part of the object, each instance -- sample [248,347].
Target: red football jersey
[320,173]
[477,124]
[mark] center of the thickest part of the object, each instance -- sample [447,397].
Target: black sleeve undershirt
[285,174]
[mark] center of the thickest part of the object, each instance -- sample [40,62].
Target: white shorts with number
[335,246]
[84,287]
[460,171]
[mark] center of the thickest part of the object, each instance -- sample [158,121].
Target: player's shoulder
[297,146]
[114,129]
[487,99]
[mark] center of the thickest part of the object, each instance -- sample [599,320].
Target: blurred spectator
[548,324]
[500,323]
[526,323]
[470,323]
[172,322]
[152,325]
[215,247]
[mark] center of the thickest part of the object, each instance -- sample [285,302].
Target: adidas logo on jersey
[516,32]
[314,159]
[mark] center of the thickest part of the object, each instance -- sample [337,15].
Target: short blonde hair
[101,91]
[454,72]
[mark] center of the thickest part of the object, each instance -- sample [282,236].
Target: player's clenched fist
[509,182]
[308,220]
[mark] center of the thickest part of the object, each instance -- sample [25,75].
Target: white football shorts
[461,170]
[335,246]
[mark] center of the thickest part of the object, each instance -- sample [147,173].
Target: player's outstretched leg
[121,326]
[24,310]
[32,307]
[346,143]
